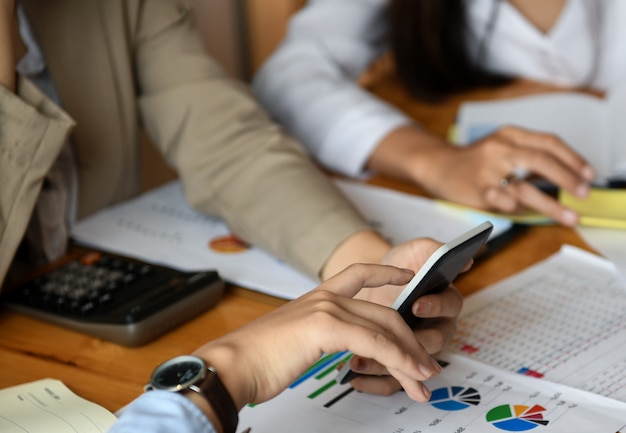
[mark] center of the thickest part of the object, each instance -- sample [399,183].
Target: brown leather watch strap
[220,400]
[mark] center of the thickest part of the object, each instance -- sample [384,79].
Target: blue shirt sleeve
[162,411]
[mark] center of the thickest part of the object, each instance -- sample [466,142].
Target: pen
[616,183]
[610,182]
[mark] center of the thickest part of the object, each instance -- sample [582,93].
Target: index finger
[552,144]
[357,276]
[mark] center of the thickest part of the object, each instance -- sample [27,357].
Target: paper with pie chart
[467,397]
[517,417]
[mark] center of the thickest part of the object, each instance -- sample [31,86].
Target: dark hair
[429,43]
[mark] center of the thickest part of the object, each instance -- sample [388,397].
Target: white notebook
[48,406]
[594,127]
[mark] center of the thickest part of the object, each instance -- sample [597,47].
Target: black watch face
[178,373]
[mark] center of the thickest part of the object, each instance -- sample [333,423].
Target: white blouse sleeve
[162,412]
[309,85]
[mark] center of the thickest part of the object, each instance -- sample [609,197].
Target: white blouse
[309,84]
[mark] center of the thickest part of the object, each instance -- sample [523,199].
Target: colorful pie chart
[517,418]
[453,398]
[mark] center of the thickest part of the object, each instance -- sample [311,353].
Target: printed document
[540,351]
[563,319]
[467,397]
[160,227]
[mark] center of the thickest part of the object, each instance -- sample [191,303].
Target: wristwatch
[191,373]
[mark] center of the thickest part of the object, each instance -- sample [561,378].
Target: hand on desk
[259,360]
[480,175]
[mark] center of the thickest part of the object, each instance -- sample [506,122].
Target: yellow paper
[603,207]
[527,217]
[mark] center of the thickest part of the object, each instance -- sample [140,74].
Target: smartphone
[441,268]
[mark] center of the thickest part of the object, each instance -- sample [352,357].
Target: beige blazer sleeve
[32,132]
[232,159]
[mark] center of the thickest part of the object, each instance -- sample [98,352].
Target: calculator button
[129,278]
[87,307]
[105,298]
[112,286]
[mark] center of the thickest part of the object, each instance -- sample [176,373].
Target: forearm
[310,83]
[408,153]
[233,161]
[206,408]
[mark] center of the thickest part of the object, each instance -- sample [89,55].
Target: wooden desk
[112,375]
[103,372]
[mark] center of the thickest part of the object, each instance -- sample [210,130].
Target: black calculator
[115,298]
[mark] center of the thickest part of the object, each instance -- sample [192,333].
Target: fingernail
[427,372]
[588,172]
[436,366]
[582,191]
[570,218]
[426,391]
[361,365]
[422,308]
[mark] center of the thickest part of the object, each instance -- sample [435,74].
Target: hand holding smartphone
[439,271]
